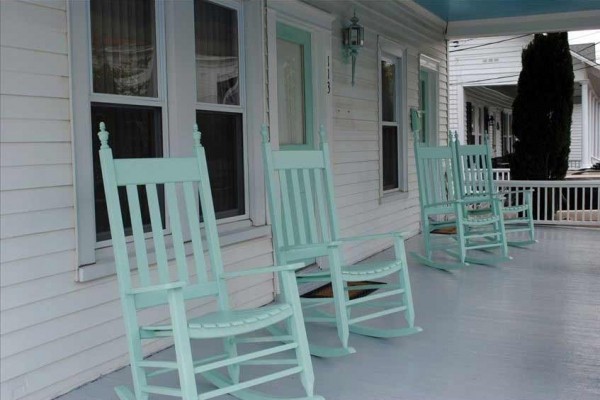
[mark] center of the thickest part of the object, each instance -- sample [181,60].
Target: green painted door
[294,88]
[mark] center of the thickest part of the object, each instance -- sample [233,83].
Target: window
[219,111]
[125,89]
[393,139]
[389,123]
[120,55]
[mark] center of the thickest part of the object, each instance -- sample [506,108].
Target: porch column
[585,118]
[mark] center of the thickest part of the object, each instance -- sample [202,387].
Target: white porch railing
[501,174]
[565,202]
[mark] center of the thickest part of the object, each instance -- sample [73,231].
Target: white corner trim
[296,9]
[577,20]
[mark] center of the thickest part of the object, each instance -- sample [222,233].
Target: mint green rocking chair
[174,283]
[444,208]
[476,182]
[305,227]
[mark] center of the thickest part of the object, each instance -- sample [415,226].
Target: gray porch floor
[528,329]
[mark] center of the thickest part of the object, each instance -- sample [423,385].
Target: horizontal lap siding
[355,138]
[575,154]
[55,333]
[488,64]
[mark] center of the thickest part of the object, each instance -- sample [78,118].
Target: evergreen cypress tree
[542,110]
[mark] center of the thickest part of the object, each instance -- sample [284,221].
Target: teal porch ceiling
[465,10]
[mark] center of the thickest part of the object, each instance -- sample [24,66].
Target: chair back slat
[139,239]
[321,205]
[309,200]
[436,173]
[475,164]
[300,199]
[172,187]
[191,207]
[176,232]
[288,225]
[157,233]
[299,205]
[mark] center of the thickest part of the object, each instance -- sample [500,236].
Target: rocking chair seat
[370,270]
[221,323]
[516,208]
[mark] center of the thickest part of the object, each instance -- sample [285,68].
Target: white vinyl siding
[57,333]
[575,154]
[355,136]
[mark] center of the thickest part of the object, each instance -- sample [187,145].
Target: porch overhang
[474,18]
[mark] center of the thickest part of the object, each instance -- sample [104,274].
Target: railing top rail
[564,183]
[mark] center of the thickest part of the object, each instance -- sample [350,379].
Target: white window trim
[94,260]
[389,48]
[318,23]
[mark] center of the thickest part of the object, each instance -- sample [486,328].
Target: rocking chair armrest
[158,288]
[263,270]
[375,236]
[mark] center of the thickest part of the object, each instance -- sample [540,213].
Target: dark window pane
[223,141]
[124,47]
[135,132]
[217,58]
[388,90]
[390,157]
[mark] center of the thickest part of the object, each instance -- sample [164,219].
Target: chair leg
[183,349]
[400,251]
[339,296]
[231,349]
[135,351]
[297,329]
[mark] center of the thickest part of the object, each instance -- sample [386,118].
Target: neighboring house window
[121,51]
[393,133]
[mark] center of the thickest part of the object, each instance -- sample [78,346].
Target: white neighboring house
[483,75]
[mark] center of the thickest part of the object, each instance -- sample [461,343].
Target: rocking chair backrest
[300,195]
[436,173]
[475,166]
[181,180]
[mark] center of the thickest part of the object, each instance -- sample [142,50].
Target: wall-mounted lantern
[353,40]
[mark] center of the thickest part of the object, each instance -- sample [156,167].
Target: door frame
[318,23]
[301,37]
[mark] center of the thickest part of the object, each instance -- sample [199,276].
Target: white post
[460,111]
[585,115]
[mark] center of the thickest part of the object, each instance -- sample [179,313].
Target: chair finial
[453,136]
[323,133]
[103,136]
[197,136]
[264,132]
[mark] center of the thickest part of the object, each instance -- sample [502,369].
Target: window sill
[229,234]
[391,197]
